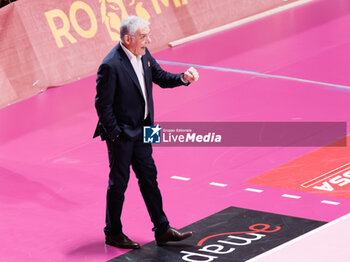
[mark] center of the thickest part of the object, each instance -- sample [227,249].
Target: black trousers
[123,153]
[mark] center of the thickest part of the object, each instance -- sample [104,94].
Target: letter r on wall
[58,33]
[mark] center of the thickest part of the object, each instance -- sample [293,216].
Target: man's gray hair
[130,25]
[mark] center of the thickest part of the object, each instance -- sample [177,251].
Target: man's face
[139,41]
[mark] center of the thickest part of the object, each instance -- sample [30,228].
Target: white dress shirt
[136,63]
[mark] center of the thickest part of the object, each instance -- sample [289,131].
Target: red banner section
[49,43]
[325,171]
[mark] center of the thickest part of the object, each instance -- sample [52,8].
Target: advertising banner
[233,234]
[325,171]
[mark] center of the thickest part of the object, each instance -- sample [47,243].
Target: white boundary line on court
[299,238]
[218,184]
[254,190]
[257,190]
[291,196]
[181,178]
[255,73]
[330,202]
[239,22]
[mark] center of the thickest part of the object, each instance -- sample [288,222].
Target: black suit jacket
[119,100]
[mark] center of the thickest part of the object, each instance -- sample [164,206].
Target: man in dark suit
[124,104]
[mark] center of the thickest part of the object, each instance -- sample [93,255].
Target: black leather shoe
[172,235]
[121,241]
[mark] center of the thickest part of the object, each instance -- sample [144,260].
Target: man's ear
[127,39]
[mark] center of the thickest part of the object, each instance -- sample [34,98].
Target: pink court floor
[288,67]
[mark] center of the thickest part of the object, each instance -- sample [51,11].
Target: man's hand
[191,75]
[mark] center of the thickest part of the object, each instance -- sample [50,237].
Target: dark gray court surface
[233,234]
